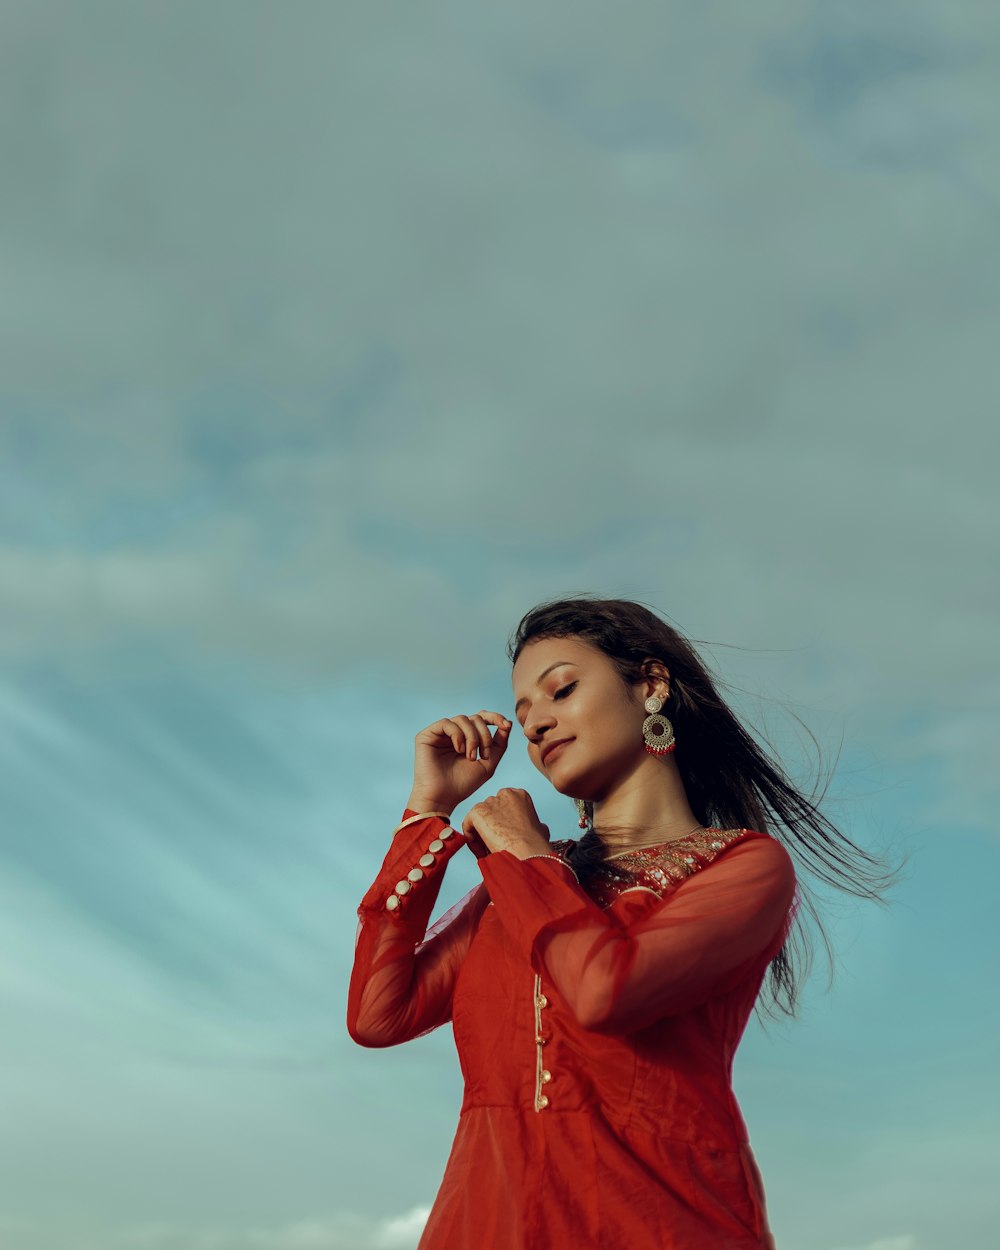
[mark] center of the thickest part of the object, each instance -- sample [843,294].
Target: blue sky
[333,338]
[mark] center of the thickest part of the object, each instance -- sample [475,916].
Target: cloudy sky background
[334,337]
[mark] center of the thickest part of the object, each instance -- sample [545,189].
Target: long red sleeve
[403,978]
[642,959]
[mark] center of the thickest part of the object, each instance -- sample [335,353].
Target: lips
[553,748]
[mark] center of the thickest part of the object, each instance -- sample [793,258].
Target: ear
[656,680]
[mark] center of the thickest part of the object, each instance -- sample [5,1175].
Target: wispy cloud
[905,1242]
[250,475]
[333,343]
[340,1231]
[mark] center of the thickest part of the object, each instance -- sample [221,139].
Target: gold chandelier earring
[657,731]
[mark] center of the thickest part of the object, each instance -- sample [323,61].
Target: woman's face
[583,724]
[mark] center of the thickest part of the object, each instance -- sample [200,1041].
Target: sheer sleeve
[642,959]
[403,976]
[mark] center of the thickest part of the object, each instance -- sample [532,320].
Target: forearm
[399,986]
[619,969]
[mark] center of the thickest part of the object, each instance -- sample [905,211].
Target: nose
[537,725]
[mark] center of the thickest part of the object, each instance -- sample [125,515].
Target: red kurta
[596,1032]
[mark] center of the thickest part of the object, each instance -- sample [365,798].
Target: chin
[573,786]
[561,784]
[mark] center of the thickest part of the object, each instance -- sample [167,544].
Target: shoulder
[762,847]
[760,860]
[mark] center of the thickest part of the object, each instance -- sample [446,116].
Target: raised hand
[454,757]
[507,821]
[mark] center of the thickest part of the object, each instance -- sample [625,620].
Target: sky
[332,338]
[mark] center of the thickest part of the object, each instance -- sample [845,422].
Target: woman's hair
[730,780]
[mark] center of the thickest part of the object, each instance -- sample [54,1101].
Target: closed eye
[561,693]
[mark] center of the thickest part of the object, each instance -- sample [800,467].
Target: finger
[446,728]
[474,734]
[471,734]
[501,723]
[499,744]
[478,847]
[483,731]
[471,833]
[470,823]
[501,736]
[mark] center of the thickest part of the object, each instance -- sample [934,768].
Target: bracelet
[557,858]
[412,820]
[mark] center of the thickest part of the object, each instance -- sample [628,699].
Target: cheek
[617,722]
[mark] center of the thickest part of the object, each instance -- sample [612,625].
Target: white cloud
[342,1231]
[404,1231]
[708,370]
[339,1231]
[906,1242]
[335,342]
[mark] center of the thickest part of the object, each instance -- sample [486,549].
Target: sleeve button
[416,874]
[425,861]
[391,903]
[447,833]
[436,845]
[403,887]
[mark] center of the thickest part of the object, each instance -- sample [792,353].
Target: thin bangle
[557,858]
[412,820]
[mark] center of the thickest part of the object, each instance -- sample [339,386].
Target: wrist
[526,848]
[418,802]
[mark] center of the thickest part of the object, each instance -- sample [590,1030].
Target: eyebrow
[558,664]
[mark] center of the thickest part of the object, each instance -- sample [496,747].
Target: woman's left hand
[507,822]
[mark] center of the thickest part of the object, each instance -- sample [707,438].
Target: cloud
[906,1242]
[344,1231]
[339,1231]
[332,344]
[233,436]
[761,405]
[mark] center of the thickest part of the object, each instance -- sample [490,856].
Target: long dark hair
[730,779]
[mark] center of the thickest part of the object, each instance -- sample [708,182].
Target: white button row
[427,860]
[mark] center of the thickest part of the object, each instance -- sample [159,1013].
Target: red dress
[596,1032]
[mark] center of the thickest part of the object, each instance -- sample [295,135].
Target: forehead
[539,656]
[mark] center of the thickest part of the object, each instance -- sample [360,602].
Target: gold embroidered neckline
[659,869]
[716,839]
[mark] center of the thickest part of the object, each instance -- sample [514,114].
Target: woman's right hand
[454,757]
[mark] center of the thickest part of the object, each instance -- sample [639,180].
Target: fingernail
[485,753]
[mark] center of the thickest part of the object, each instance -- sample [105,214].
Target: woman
[598,989]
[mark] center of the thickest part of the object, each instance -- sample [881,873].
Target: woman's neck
[648,807]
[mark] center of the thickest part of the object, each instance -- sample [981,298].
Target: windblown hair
[730,780]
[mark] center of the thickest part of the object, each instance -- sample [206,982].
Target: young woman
[597,989]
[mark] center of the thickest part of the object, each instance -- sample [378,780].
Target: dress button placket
[542,1074]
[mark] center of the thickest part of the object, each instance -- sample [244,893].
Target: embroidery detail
[655,870]
[660,869]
